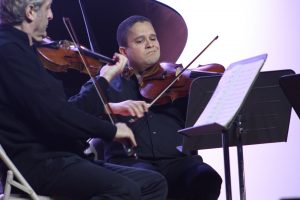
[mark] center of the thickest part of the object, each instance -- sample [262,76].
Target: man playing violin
[156,128]
[43,134]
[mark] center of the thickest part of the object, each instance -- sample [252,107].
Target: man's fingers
[132,140]
[130,108]
[139,108]
[131,111]
[146,107]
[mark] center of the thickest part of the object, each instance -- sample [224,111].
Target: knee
[213,179]
[217,178]
[119,190]
[210,181]
[130,192]
[126,192]
[159,186]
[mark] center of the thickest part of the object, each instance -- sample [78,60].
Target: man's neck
[148,69]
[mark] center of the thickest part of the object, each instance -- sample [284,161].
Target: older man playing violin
[156,127]
[43,134]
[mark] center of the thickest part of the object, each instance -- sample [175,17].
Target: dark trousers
[188,177]
[78,179]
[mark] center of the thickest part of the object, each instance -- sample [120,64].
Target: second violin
[160,76]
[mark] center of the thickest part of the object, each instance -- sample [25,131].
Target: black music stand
[263,118]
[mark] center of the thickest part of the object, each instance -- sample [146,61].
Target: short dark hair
[125,25]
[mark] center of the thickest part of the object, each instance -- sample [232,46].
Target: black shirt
[155,133]
[36,121]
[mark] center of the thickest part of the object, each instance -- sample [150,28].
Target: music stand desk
[263,118]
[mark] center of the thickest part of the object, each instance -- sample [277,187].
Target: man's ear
[122,50]
[30,13]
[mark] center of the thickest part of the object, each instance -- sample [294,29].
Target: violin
[59,56]
[153,81]
[163,83]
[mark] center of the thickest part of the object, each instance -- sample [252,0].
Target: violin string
[74,39]
[180,73]
[86,25]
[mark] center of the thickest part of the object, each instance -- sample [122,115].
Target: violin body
[162,75]
[63,55]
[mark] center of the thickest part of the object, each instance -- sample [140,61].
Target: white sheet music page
[231,91]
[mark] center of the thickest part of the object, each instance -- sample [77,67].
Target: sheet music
[230,93]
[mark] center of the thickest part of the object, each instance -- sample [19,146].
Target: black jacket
[36,121]
[156,133]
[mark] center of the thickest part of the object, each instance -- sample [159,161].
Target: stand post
[240,156]
[225,144]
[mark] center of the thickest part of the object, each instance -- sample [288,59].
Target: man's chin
[39,38]
[153,61]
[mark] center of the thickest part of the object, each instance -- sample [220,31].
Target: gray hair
[13,11]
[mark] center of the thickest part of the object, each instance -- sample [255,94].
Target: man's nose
[50,15]
[149,43]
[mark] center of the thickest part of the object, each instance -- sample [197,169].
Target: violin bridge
[178,70]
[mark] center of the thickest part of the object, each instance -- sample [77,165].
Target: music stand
[263,118]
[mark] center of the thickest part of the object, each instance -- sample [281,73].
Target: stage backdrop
[248,28]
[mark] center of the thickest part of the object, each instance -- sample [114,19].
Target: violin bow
[100,93]
[129,150]
[181,72]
